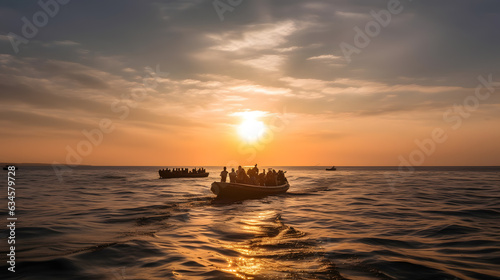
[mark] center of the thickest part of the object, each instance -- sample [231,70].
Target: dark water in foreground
[124,223]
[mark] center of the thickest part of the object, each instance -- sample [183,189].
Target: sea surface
[353,223]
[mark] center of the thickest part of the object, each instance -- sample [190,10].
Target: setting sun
[251,129]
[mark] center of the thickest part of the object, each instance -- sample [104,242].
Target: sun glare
[251,129]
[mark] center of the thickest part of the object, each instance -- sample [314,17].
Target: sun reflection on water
[268,230]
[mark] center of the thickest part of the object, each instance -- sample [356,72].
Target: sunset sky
[175,80]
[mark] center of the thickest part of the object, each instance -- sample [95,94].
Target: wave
[442,231]
[113,177]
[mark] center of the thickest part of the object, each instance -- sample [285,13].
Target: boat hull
[242,191]
[189,175]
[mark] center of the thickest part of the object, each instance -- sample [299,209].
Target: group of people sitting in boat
[253,177]
[164,172]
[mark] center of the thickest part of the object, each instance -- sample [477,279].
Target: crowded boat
[182,172]
[253,177]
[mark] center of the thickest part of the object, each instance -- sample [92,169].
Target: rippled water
[125,223]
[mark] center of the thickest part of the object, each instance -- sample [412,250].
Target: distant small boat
[183,175]
[7,167]
[243,191]
[331,169]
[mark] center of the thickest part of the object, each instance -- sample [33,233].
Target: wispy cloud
[325,57]
[266,62]
[258,37]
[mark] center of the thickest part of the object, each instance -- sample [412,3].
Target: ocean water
[125,223]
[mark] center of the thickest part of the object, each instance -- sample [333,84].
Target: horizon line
[82,165]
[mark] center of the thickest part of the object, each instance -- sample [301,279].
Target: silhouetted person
[253,179]
[250,172]
[238,171]
[270,178]
[281,177]
[242,176]
[232,176]
[262,178]
[223,175]
[246,178]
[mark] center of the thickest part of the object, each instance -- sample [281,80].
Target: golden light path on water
[272,239]
[248,265]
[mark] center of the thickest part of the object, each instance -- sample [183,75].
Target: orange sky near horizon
[292,140]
